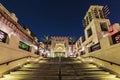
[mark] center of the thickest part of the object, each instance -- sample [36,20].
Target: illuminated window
[117,38]
[24,46]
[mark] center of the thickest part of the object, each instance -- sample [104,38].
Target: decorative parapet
[12,15]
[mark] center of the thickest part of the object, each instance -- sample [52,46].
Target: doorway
[59,54]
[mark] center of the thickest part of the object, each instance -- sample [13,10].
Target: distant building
[60,46]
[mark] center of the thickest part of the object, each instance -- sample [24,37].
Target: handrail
[59,68]
[7,62]
[105,60]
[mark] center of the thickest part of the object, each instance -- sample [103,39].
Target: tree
[72,41]
[46,40]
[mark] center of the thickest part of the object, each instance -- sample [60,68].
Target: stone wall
[11,56]
[106,56]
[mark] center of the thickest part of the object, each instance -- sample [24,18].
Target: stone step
[93,78]
[62,65]
[56,78]
[86,73]
[53,66]
[80,76]
[71,69]
[65,63]
[30,77]
[56,73]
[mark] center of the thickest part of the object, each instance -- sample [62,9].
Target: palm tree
[72,40]
[46,40]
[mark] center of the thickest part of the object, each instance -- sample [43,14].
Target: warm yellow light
[18,64]
[28,60]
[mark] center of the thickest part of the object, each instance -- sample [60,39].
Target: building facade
[59,46]
[9,26]
[96,26]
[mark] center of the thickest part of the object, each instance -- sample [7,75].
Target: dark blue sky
[57,17]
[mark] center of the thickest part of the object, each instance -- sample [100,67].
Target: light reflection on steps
[71,69]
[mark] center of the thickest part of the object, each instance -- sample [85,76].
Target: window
[89,32]
[3,36]
[116,38]
[95,47]
[83,38]
[101,14]
[103,26]
[87,21]
[90,16]
[24,46]
[84,22]
[96,13]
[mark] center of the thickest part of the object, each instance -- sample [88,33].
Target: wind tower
[96,24]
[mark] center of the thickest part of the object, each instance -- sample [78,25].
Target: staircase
[51,69]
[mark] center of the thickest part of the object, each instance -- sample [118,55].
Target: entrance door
[59,54]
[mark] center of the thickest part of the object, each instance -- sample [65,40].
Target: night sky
[57,17]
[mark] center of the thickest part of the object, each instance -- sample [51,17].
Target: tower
[96,24]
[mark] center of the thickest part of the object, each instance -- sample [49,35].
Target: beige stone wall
[107,52]
[11,51]
[96,30]
[6,68]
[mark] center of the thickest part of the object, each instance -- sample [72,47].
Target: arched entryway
[59,50]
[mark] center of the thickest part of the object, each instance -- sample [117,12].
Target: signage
[24,46]
[116,38]
[95,47]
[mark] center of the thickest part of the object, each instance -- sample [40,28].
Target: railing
[106,61]
[7,62]
[59,68]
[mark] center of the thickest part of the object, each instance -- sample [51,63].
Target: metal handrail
[59,68]
[105,60]
[7,62]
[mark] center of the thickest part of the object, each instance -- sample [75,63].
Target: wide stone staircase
[60,69]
